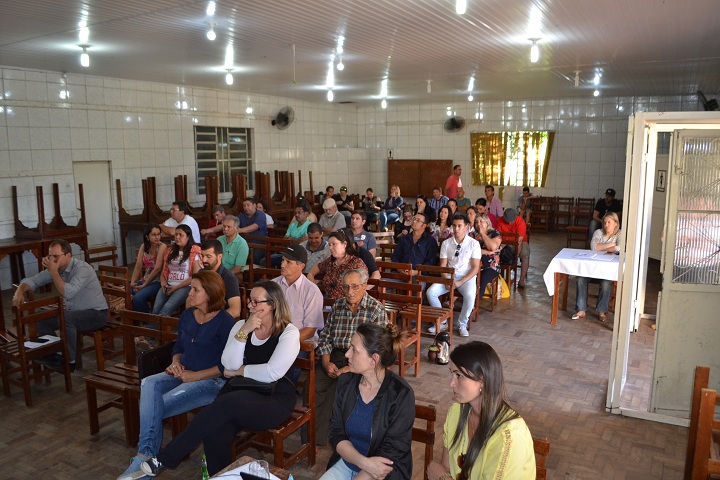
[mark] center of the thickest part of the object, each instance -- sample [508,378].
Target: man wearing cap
[303,296]
[331,220]
[211,252]
[604,205]
[344,204]
[511,223]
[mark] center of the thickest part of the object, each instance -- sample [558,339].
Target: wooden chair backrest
[394,270]
[263,273]
[425,435]
[541,446]
[383,237]
[102,254]
[434,274]
[705,460]
[385,251]
[702,381]
[137,324]
[28,314]
[308,364]
[117,292]
[113,271]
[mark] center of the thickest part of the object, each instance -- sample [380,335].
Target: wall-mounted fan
[708,105]
[284,118]
[454,124]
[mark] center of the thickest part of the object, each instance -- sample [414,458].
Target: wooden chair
[425,435]
[706,457]
[510,270]
[475,313]
[542,449]
[383,237]
[542,214]
[15,352]
[403,305]
[702,381]
[385,252]
[562,214]
[273,440]
[122,380]
[430,274]
[105,253]
[115,284]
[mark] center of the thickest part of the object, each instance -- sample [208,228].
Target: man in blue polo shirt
[254,224]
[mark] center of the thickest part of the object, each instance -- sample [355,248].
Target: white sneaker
[443,328]
[463,332]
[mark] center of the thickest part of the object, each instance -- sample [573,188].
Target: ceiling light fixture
[210,9]
[84,57]
[84,34]
[330,81]
[577,78]
[471,84]
[340,44]
[383,104]
[534,51]
[229,56]
[229,77]
[596,79]
[384,88]
[341,65]
[460,6]
[449,111]
[429,86]
[211,33]
[470,98]
[330,96]
[596,93]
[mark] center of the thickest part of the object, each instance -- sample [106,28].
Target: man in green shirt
[297,231]
[235,248]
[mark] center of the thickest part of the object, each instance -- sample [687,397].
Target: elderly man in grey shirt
[75,280]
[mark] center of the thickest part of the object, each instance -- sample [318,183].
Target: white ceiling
[642,47]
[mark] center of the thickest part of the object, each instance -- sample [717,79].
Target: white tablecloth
[581,263]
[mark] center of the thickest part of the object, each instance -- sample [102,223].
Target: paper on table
[585,254]
[245,469]
[50,339]
[605,257]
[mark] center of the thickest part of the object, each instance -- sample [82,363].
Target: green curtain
[511,158]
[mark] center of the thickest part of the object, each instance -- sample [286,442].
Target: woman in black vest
[261,348]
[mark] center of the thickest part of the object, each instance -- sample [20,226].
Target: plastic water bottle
[203,468]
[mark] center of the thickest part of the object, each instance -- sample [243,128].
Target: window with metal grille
[223,151]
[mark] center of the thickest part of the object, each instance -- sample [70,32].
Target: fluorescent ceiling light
[460,6]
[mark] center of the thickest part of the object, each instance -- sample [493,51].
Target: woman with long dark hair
[442,229]
[421,206]
[182,260]
[484,436]
[145,281]
[374,410]
[260,350]
[343,257]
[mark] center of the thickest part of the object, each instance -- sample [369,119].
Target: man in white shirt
[180,215]
[462,253]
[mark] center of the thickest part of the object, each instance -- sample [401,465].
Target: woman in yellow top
[484,437]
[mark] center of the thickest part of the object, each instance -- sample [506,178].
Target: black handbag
[155,360]
[244,383]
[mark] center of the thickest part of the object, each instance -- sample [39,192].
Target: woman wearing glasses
[374,410]
[483,436]
[181,261]
[343,257]
[194,377]
[261,348]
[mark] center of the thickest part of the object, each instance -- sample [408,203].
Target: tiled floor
[556,377]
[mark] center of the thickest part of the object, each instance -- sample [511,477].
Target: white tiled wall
[146,129]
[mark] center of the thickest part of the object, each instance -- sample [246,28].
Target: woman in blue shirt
[194,377]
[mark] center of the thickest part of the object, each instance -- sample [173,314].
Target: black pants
[325,396]
[218,423]
[486,276]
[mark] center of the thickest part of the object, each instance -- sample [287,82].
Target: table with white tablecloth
[581,263]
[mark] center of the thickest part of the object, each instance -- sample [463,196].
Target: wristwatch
[240,335]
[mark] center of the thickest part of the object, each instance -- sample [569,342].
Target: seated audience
[372,206]
[494,205]
[180,215]
[605,240]
[417,248]
[391,208]
[483,436]
[182,260]
[254,224]
[442,229]
[344,204]
[354,308]
[316,247]
[363,238]
[235,248]
[463,202]
[421,206]
[332,220]
[302,201]
[214,229]
[452,204]
[402,226]
[374,410]
[481,207]
[367,258]
[462,253]
[262,206]
[261,348]
[604,205]
[145,281]
[511,223]
[438,199]
[195,375]
[297,230]
[471,213]
[212,255]
[490,241]
[343,257]
[329,192]
[525,204]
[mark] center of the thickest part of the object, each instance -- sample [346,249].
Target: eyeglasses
[254,303]
[457,250]
[174,209]
[347,288]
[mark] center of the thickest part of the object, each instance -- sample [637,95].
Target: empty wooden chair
[426,435]
[24,358]
[542,449]
[104,253]
[273,440]
[706,457]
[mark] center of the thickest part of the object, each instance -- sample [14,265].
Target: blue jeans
[339,471]
[142,297]
[162,396]
[603,297]
[276,260]
[387,217]
[165,305]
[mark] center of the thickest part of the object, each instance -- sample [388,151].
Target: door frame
[637,208]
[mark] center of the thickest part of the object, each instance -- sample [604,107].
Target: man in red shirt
[511,223]
[453,182]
